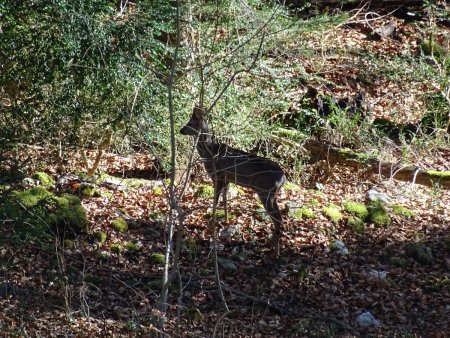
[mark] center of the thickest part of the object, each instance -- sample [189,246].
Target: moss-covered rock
[116,248]
[402,211]
[356,224]
[356,209]
[205,191]
[119,225]
[40,208]
[44,179]
[419,252]
[133,246]
[100,236]
[157,258]
[378,214]
[69,213]
[333,213]
[397,261]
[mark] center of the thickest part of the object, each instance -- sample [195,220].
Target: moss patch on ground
[120,225]
[45,179]
[205,191]
[40,208]
[356,209]
[402,211]
[333,213]
[378,214]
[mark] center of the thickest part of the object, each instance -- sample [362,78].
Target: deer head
[196,124]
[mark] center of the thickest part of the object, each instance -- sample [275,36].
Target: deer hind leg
[221,187]
[269,202]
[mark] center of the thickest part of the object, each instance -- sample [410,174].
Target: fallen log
[322,151]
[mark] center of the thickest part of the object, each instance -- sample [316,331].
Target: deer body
[225,165]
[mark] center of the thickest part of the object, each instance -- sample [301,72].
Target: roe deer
[225,164]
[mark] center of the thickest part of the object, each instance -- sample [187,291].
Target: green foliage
[357,209]
[119,225]
[132,246]
[75,66]
[378,214]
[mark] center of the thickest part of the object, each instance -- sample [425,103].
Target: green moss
[402,211]
[116,248]
[133,183]
[132,246]
[40,208]
[234,187]
[89,190]
[291,186]
[70,213]
[301,213]
[100,236]
[205,191]
[191,245]
[45,179]
[438,174]
[356,209]
[194,314]
[69,244]
[356,224]
[378,214]
[157,258]
[220,214]
[157,191]
[119,224]
[333,213]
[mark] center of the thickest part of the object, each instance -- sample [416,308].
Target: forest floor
[309,291]
[110,288]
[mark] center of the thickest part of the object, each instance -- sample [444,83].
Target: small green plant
[69,244]
[119,225]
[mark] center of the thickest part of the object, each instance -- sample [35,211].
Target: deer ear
[198,112]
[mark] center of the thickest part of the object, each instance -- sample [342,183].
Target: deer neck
[205,144]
